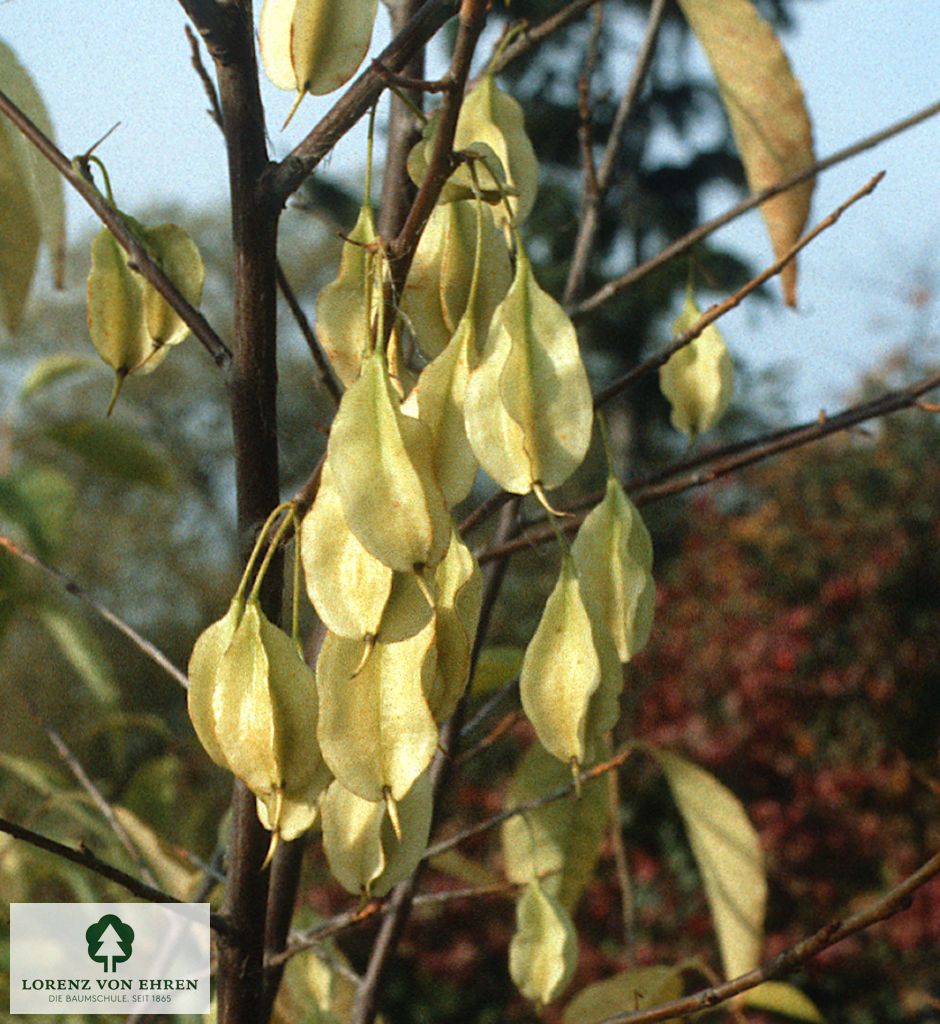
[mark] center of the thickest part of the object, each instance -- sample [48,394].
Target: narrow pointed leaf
[728,854]
[766,109]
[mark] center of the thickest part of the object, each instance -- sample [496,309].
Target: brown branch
[532,37]
[86,859]
[687,241]
[733,301]
[286,177]
[594,772]
[112,219]
[76,590]
[253,401]
[212,95]
[597,186]
[398,190]
[892,902]
[621,864]
[709,466]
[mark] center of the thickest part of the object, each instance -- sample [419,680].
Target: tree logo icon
[110,941]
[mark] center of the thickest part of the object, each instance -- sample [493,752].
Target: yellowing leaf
[376,731]
[528,406]
[613,554]
[784,999]
[639,989]
[561,670]
[344,313]
[173,875]
[19,231]
[561,840]
[698,380]
[765,105]
[381,462]
[728,854]
[348,587]
[544,949]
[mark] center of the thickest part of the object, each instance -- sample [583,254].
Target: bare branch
[532,37]
[719,309]
[683,244]
[212,95]
[596,187]
[891,903]
[77,590]
[327,378]
[112,219]
[86,859]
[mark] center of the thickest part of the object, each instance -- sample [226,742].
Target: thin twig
[733,301]
[709,466]
[894,900]
[597,186]
[86,859]
[621,864]
[76,590]
[594,772]
[97,797]
[687,241]
[529,38]
[215,108]
[112,219]
[319,357]
[585,115]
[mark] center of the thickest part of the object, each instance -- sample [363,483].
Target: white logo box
[102,958]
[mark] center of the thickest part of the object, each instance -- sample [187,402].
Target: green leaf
[496,666]
[172,874]
[40,500]
[43,778]
[116,451]
[48,192]
[51,370]
[638,989]
[728,854]
[19,231]
[562,838]
[786,1000]
[82,650]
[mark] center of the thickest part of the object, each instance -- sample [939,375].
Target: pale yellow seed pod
[314,46]
[528,407]
[344,323]
[438,287]
[490,115]
[178,257]
[375,729]
[561,670]
[382,465]
[115,308]
[698,380]
[543,952]
[347,586]
[613,554]
[458,587]
[362,850]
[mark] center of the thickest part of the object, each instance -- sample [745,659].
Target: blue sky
[863,64]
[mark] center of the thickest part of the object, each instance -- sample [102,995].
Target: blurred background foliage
[794,652]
